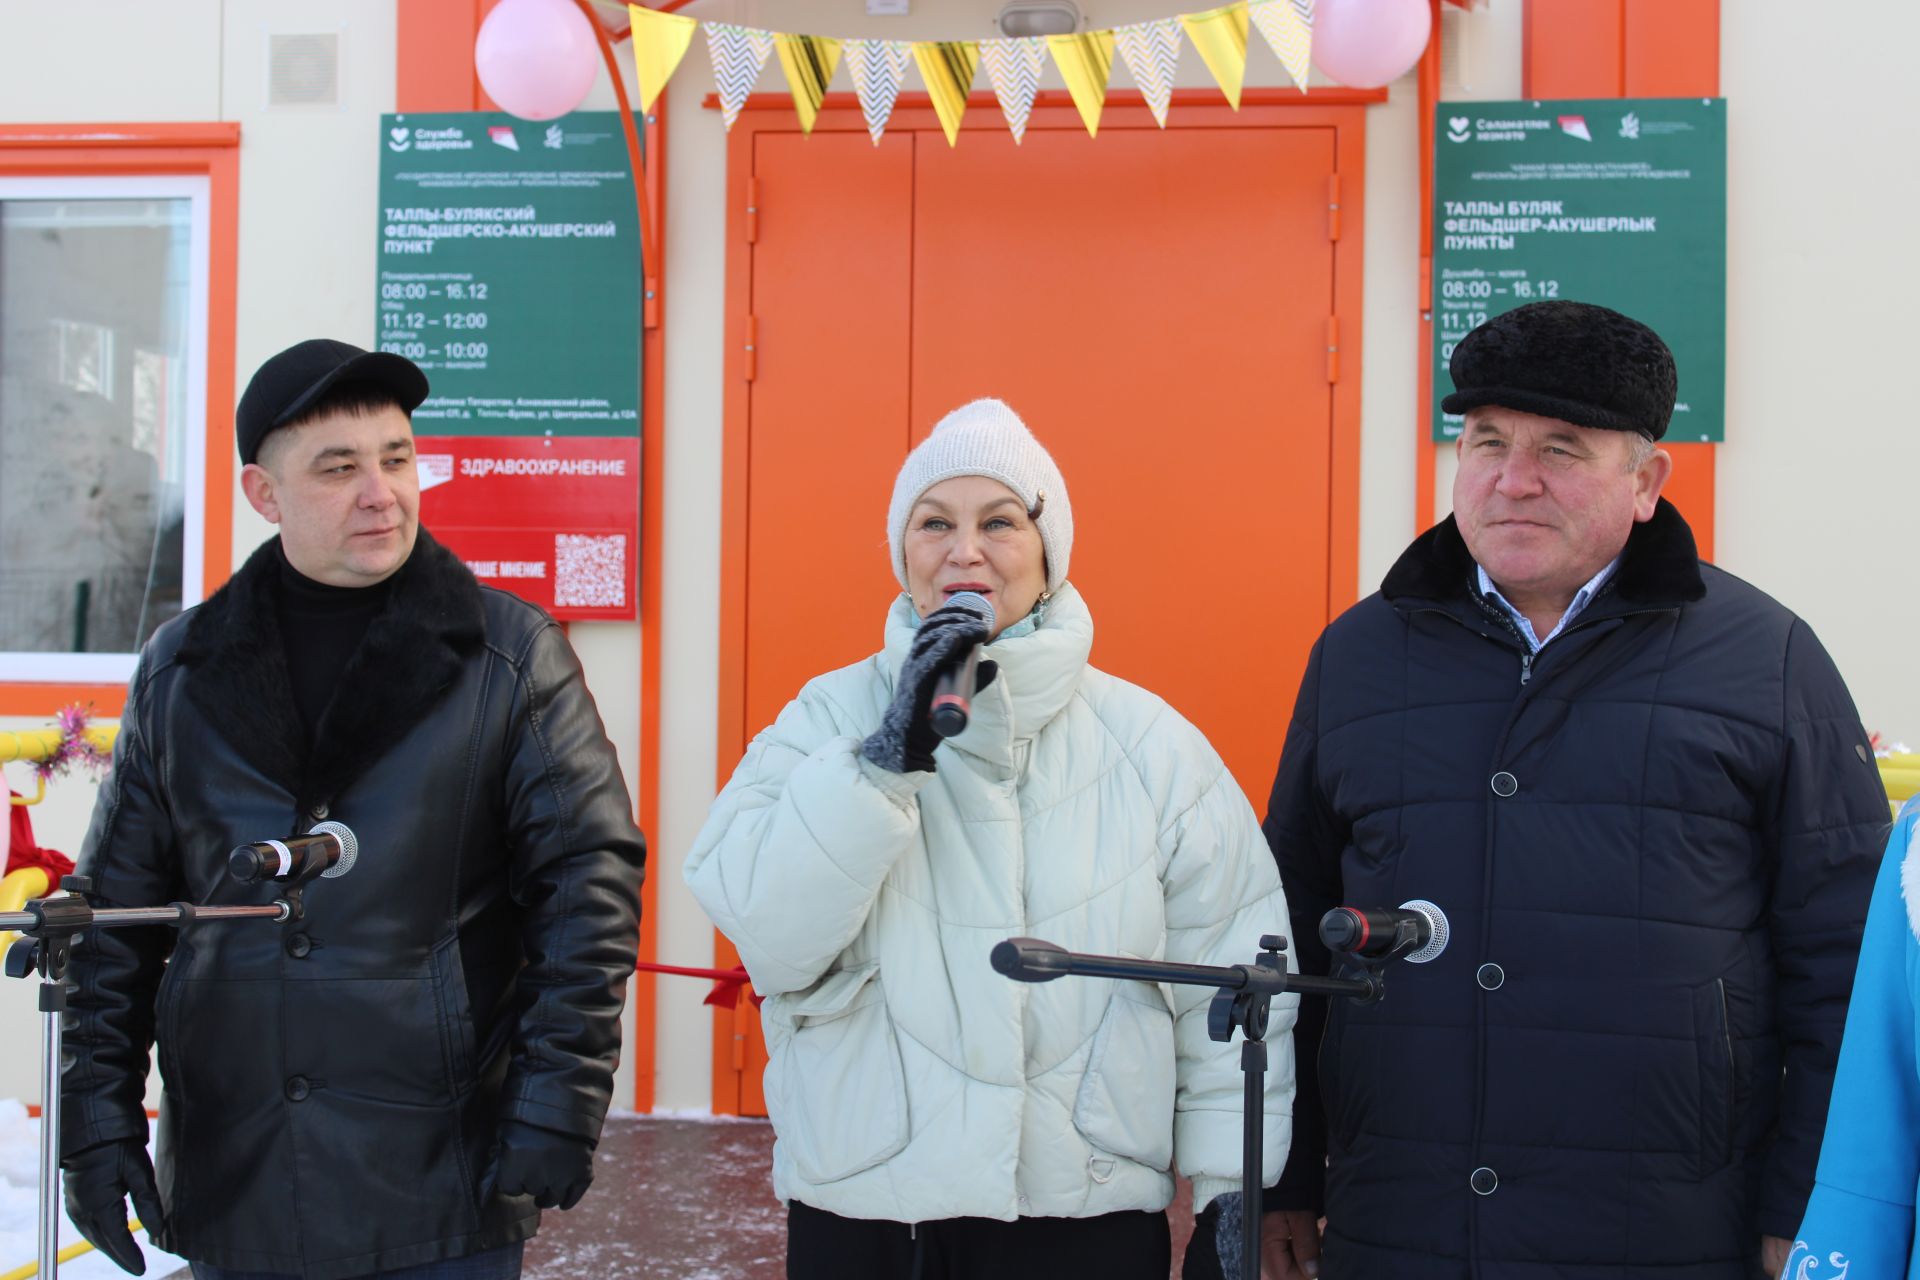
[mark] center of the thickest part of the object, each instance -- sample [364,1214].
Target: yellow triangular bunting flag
[1085,62]
[660,40]
[1288,27]
[1221,37]
[809,62]
[947,66]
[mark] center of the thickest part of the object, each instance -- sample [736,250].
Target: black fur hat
[1568,360]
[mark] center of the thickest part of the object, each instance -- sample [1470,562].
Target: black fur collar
[412,651]
[1661,565]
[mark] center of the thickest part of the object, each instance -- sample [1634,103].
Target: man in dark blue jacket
[1639,790]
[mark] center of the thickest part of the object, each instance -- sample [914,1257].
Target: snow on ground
[20,1208]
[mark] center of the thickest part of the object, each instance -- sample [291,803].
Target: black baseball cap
[290,382]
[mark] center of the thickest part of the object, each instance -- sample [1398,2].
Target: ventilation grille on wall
[303,70]
[1456,49]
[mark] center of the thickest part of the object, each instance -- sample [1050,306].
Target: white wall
[1813,482]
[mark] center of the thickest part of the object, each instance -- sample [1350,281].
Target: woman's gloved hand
[905,740]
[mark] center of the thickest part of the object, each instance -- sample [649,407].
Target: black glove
[905,740]
[98,1182]
[554,1168]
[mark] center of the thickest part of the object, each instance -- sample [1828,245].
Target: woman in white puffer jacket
[932,1117]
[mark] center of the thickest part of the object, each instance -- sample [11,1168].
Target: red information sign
[555,519]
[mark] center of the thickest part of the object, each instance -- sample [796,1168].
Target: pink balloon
[1365,44]
[536,58]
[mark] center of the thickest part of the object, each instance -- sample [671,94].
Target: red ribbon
[727,983]
[22,852]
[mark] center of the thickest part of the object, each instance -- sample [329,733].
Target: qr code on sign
[589,572]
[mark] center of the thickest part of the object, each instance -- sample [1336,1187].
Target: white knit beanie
[986,438]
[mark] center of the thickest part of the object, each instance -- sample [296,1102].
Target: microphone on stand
[328,851]
[1030,960]
[953,691]
[1415,931]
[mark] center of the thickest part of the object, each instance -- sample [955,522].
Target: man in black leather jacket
[404,1077]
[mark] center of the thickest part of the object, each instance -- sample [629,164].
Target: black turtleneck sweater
[321,626]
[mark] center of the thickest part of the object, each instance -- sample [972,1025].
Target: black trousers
[1113,1246]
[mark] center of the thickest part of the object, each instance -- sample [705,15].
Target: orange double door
[1163,309]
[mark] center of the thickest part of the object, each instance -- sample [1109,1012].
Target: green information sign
[510,271]
[1617,201]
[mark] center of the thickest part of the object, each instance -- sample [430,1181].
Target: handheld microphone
[1416,931]
[1029,960]
[953,690]
[328,851]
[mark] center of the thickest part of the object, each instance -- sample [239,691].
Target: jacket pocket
[835,1088]
[455,1012]
[1125,1103]
[166,1003]
[1713,1039]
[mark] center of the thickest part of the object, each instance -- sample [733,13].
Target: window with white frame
[103,370]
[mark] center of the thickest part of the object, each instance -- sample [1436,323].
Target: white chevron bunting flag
[738,55]
[1288,27]
[1152,52]
[1013,68]
[878,67]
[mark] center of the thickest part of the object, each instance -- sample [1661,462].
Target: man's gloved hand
[554,1168]
[905,740]
[98,1182]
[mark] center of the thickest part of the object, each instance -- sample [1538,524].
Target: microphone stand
[1245,992]
[47,927]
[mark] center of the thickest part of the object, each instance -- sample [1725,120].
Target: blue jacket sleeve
[1861,1214]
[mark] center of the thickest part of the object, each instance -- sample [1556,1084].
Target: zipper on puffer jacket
[1505,619]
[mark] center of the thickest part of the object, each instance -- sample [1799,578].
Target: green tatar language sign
[510,271]
[1616,201]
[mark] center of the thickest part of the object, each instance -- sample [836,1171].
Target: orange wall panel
[1672,49]
[1571,49]
[434,62]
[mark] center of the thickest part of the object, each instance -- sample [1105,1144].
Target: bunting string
[878,68]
